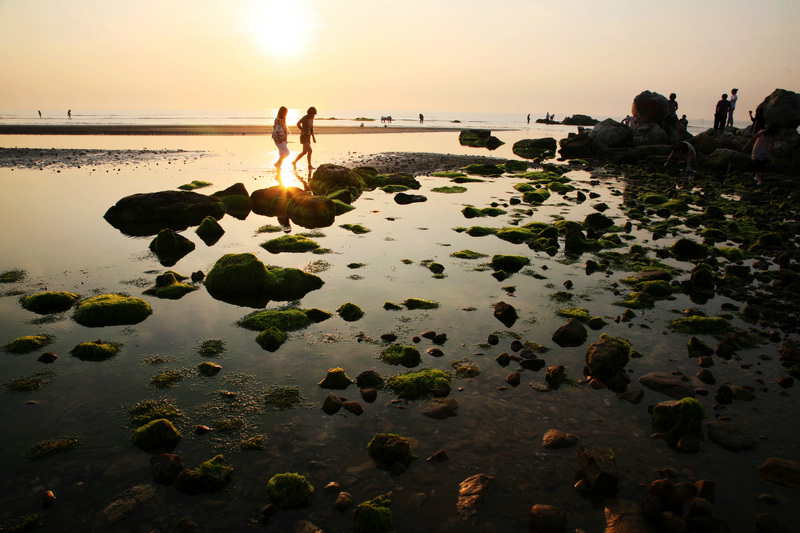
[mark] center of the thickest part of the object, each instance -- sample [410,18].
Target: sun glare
[277,28]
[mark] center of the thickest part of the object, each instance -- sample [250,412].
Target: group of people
[280,135]
[723,114]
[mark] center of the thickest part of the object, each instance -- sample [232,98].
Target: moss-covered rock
[453,189]
[678,418]
[538,196]
[515,165]
[516,235]
[688,249]
[156,436]
[576,243]
[356,228]
[244,275]
[468,254]
[210,231]
[290,491]
[386,449]
[533,148]
[373,516]
[330,178]
[271,202]
[638,300]
[290,243]
[96,351]
[580,313]
[209,369]
[285,319]
[28,343]
[51,447]
[509,263]
[479,138]
[465,368]
[170,246]
[195,184]
[211,476]
[148,410]
[350,312]
[311,211]
[271,338]
[397,354]
[282,397]
[420,384]
[695,325]
[48,302]
[139,213]
[111,310]
[336,379]
[418,303]
[167,378]
[483,170]
[317,315]
[236,199]
[480,231]
[170,285]
[597,221]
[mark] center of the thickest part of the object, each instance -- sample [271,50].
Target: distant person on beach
[683,150]
[734,97]
[684,122]
[629,121]
[763,142]
[40,114]
[672,106]
[721,115]
[421,118]
[306,127]
[758,120]
[280,134]
[529,118]
[69,113]
[547,116]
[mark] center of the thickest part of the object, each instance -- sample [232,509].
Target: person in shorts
[763,142]
[280,134]
[306,126]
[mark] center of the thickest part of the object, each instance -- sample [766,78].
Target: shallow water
[60,238]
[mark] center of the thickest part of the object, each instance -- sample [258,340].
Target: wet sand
[225,129]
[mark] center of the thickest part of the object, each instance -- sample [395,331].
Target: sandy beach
[225,129]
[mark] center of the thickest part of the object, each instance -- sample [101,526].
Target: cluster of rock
[650,140]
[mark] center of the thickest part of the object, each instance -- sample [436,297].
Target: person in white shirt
[733,99]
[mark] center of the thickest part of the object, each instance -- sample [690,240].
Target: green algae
[637,300]
[290,319]
[509,263]
[12,276]
[271,338]
[580,313]
[483,170]
[29,383]
[244,275]
[146,411]
[397,354]
[167,379]
[695,325]
[257,442]
[350,312]
[195,184]
[209,369]
[373,516]
[480,231]
[386,449]
[678,418]
[170,286]
[465,368]
[453,189]
[25,523]
[96,351]
[49,448]
[28,343]
[156,435]
[539,196]
[209,230]
[336,379]
[516,235]
[228,425]
[282,397]
[468,254]
[448,174]
[290,244]
[290,491]
[111,310]
[211,348]
[211,476]
[355,228]
[418,303]
[48,302]
[419,384]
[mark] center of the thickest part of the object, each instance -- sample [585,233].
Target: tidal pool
[55,232]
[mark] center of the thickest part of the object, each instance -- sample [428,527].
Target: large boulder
[649,107]
[724,159]
[606,360]
[170,247]
[156,436]
[211,476]
[311,211]
[111,310]
[650,133]
[148,213]
[575,145]
[272,201]
[236,199]
[610,134]
[782,108]
[328,179]
[533,148]
[479,139]
[242,278]
[579,120]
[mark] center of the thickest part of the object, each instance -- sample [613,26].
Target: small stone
[369,395]
[48,499]
[354,407]
[201,429]
[332,404]
[438,457]
[332,487]
[343,501]
[48,357]
[514,378]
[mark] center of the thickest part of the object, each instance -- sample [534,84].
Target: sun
[278,28]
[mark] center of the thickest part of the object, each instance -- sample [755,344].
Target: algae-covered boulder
[479,138]
[156,436]
[328,179]
[170,285]
[272,201]
[209,231]
[420,384]
[610,134]
[678,418]
[111,310]
[147,213]
[236,199]
[208,368]
[336,379]
[387,449]
[483,169]
[271,338]
[311,211]
[350,312]
[236,277]
[606,360]
[170,247]
[290,243]
[284,319]
[397,354]
[96,350]
[576,243]
[693,325]
[515,165]
[290,491]
[211,476]
[48,302]
[597,221]
[373,516]
[28,343]
[509,263]
[533,148]
[723,159]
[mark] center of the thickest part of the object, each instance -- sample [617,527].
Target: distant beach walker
[387,118]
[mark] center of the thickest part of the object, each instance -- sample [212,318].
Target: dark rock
[332,404]
[782,108]
[769,523]
[606,360]
[573,333]
[548,519]
[724,395]
[404,198]
[148,213]
[353,407]
[513,378]
[781,472]
[706,376]
[369,395]
[505,313]
[599,468]
[439,408]
[731,435]
[533,148]
[438,457]
[556,439]
[165,467]
[669,384]
[471,493]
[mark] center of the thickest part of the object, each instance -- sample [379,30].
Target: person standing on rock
[280,135]
[721,115]
[684,122]
[672,106]
[306,126]
[734,97]
[763,142]
[758,120]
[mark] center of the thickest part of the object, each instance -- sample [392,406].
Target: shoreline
[189,129]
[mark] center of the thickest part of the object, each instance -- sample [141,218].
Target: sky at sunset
[565,56]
